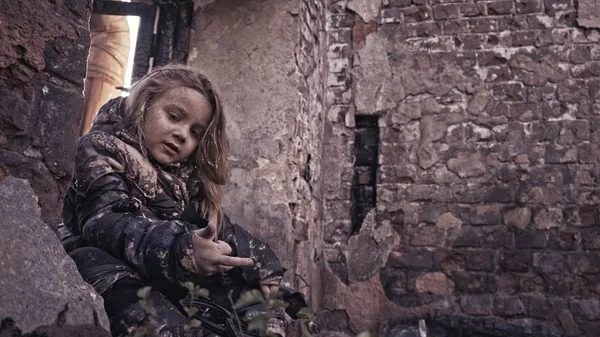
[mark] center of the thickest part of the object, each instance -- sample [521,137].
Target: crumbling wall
[265,56]
[487,170]
[43,50]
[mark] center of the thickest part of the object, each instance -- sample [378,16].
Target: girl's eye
[173,116]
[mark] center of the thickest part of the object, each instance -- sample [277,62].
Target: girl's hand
[213,256]
[267,289]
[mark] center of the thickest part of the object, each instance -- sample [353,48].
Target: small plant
[194,292]
[272,304]
[308,325]
[146,304]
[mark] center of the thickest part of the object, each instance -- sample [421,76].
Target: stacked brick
[488,154]
[44,47]
[308,131]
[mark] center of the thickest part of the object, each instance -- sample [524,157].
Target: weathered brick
[470,283]
[476,305]
[553,6]
[499,74]
[518,217]
[500,7]
[472,9]
[469,237]
[506,283]
[528,6]
[559,284]
[508,92]
[342,20]
[434,283]
[517,261]
[416,14]
[564,239]
[485,215]
[555,155]
[484,25]
[531,283]
[547,195]
[497,237]
[471,41]
[481,261]
[568,322]
[580,54]
[550,263]
[508,306]
[587,70]
[338,50]
[413,258]
[531,238]
[337,231]
[447,221]
[543,308]
[449,261]
[467,165]
[589,328]
[453,27]
[548,218]
[391,15]
[586,309]
[590,238]
[400,3]
[429,236]
[340,36]
[447,11]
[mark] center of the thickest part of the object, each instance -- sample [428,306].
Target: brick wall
[308,132]
[43,50]
[487,175]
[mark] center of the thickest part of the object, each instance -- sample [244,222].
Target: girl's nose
[181,135]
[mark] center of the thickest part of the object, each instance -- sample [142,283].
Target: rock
[434,283]
[447,221]
[366,9]
[548,218]
[479,102]
[467,165]
[518,217]
[508,306]
[477,305]
[376,90]
[588,15]
[39,282]
[568,322]
[368,251]
[427,156]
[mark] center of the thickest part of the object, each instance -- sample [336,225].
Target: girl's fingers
[224,248]
[222,269]
[207,232]
[265,290]
[232,261]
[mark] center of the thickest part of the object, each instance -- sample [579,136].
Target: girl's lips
[171,150]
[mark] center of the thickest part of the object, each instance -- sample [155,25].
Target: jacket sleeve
[114,221]
[109,180]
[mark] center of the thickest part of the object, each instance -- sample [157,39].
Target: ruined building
[407,159]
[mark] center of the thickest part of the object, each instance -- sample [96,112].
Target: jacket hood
[110,120]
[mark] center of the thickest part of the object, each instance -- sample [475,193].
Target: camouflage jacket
[123,203]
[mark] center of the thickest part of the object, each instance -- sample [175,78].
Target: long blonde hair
[210,160]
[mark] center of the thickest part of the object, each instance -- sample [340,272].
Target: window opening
[158,34]
[364,182]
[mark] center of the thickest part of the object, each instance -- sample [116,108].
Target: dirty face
[175,123]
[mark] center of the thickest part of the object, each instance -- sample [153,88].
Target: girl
[144,206]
